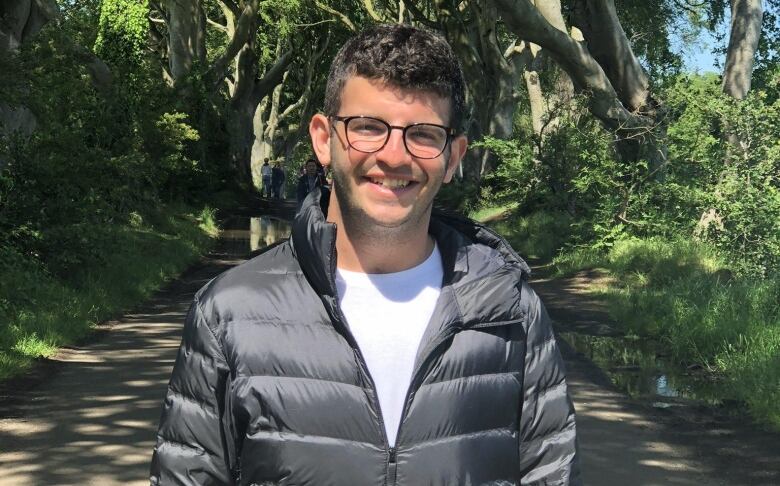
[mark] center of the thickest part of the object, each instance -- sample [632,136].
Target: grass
[490,213]
[684,294]
[40,312]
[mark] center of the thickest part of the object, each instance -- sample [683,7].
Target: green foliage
[538,236]
[95,157]
[515,178]
[40,312]
[123,31]
[739,184]
[727,194]
[460,197]
[694,249]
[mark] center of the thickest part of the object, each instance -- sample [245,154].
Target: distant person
[310,180]
[265,172]
[277,180]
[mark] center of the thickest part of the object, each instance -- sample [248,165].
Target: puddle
[242,236]
[641,368]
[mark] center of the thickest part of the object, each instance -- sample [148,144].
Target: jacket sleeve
[548,437]
[192,444]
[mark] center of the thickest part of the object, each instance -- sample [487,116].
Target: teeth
[391,183]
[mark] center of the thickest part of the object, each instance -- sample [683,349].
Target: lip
[396,191]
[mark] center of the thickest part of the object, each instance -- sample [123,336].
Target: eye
[428,135]
[367,127]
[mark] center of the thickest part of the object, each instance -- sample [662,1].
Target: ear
[458,147]
[320,133]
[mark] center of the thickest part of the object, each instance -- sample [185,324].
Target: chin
[388,221]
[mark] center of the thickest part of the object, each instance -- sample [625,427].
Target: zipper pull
[392,467]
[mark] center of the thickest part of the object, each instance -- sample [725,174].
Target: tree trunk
[491,74]
[240,136]
[545,109]
[22,19]
[608,44]
[187,36]
[262,148]
[746,16]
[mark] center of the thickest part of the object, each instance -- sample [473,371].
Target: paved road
[93,422]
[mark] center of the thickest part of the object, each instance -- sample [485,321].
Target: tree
[21,21]
[746,16]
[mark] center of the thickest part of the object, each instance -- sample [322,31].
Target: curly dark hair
[403,56]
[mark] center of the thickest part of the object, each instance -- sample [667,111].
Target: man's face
[388,188]
[311,169]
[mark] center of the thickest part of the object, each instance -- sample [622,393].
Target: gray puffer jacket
[270,387]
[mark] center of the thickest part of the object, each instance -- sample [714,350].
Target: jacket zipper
[392,467]
[391,464]
[413,384]
[342,321]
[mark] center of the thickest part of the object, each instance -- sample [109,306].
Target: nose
[394,152]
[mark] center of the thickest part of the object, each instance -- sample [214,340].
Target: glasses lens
[426,141]
[366,134]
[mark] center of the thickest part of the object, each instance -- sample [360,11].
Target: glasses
[422,140]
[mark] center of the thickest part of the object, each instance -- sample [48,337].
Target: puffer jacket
[270,387]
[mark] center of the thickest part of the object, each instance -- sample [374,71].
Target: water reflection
[642,369]
[244,236]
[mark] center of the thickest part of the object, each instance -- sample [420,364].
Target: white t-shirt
[388,314]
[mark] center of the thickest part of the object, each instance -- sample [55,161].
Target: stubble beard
[369,231]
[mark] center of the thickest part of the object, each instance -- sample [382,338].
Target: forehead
[376,97]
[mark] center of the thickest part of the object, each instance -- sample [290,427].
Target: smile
[391,183]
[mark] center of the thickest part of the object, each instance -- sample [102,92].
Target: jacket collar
[314,242]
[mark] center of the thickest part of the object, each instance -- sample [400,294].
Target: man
[265,172]
[277,180]
[310,180]
[379,345]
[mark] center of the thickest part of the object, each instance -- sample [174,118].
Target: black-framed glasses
[368,135]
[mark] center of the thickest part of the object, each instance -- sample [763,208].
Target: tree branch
[610,47]
[219,26]
[312,63]
[232,6]
[243,31]
[272,77]
[526,22]
[369,6]
[419,16]
[344,19]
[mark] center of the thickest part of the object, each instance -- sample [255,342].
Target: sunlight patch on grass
[485,214]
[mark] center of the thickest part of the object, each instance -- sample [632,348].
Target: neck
[387,250]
